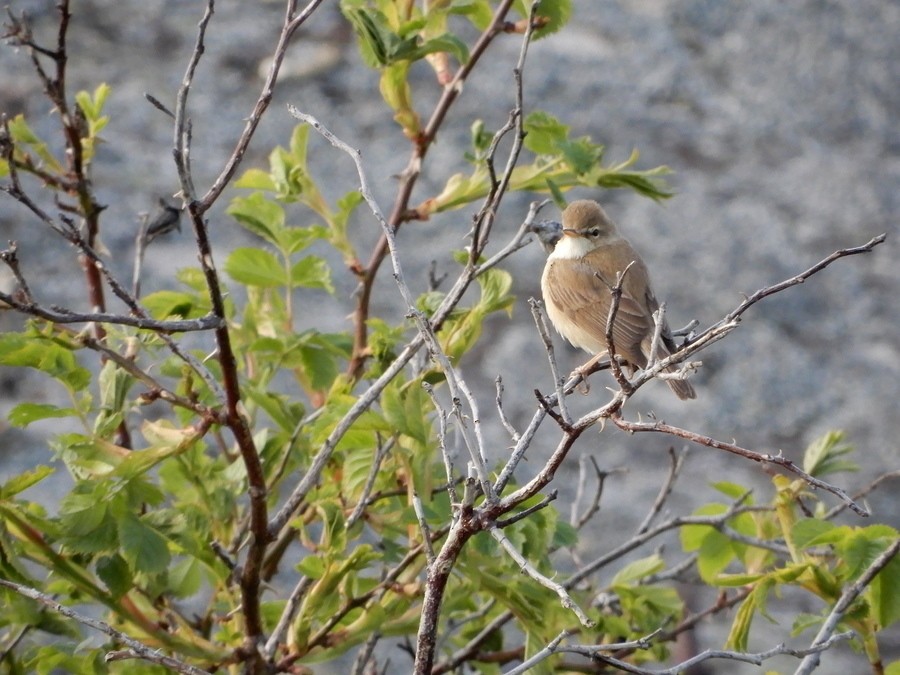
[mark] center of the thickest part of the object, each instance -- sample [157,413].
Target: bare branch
[762,458]
[824,637]
[136,649]
[596,652]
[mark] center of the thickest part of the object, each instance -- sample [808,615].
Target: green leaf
[23,481]
[478,11]
[311,272]
[115,574]
[312,566]
[255,267]
[92,106]
[396,92]
[167,304]
[376,39]
[554,14]
[44,354]
[143,547]
[637,570]
[861,548]
[824,455]
[22,134]
[740,629]
[442,43]
[716,552]
[809,532]
[26,413]
[884,594]
[295,239]
[256,179]
[544,133]
[260,215]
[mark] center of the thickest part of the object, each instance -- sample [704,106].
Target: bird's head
[586,219]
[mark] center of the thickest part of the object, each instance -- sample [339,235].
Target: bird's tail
[682,388]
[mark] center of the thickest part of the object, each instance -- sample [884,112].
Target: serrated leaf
[255,267]
[26,413]
[115,574]
[143,547]
[814,532]
[544,133]
[46,355]
[24,480]
[258,214]
[552,15]
[311,272]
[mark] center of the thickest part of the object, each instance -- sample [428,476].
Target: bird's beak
[569,232]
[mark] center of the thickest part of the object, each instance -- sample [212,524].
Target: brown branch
[289,27]
[616,294]
[803,276]
[409,176]
[250,577]
[762,458]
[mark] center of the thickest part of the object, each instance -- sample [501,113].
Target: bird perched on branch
[577,285]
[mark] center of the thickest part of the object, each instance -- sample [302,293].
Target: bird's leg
[586,369]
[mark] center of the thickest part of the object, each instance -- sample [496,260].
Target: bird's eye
[594,232]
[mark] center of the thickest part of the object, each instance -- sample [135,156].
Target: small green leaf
[255,267]
[44,354]
[544,133]
[23,481]
[824,456]
[26,413]
[376,39]
[637,570]
[311,566]
[814,532]
[167,304]
[740,629]
[260,215]
[397,94]
[311,272]
[256,179]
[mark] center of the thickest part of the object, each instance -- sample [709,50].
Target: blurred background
[780,122]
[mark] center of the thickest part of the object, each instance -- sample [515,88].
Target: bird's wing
[585,298]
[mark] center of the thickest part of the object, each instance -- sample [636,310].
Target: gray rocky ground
[780,121]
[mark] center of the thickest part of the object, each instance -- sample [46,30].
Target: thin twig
[529,569]
[762,458]
[136,648]
[824,637]
[423,525]
[446,454]
[597,652]
[380,453]
[676,462]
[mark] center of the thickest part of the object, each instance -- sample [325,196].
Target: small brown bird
[576,284]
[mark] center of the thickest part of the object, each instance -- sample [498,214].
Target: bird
[576,284]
